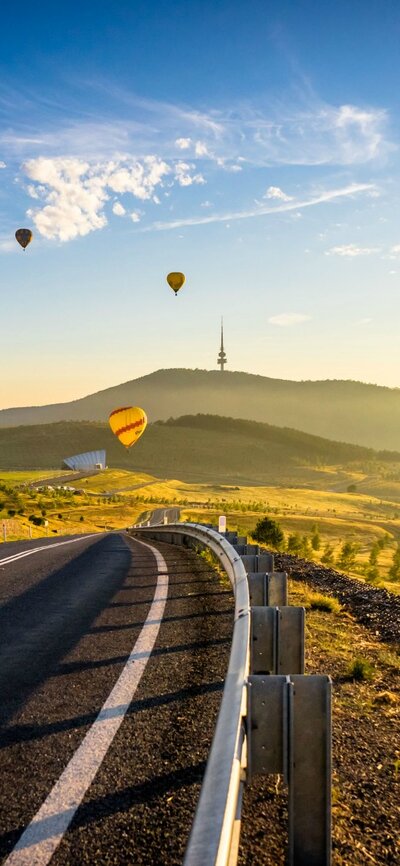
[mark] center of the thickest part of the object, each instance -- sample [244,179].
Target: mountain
[195,448]
[343,410]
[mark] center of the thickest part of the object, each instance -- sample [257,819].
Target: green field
[115,498]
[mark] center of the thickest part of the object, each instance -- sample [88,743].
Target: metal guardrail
[276,720]
[211,837]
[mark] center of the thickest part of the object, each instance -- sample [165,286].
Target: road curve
[68,627]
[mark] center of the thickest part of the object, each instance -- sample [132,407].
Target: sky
[252,145]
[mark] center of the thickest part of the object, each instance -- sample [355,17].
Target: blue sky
[253,145]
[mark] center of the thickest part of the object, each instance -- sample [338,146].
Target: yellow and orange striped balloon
[128,423]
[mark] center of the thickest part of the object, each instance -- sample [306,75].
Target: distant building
[89,460]
[222,359]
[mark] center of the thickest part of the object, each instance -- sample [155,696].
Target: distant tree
[347,556]
[294,544]
[269,532]
[315,538]
[352,488]
[373,556]
[328,557]
[394,571]
[11,512]
[306,549]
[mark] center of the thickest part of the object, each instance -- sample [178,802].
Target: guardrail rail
[273,718]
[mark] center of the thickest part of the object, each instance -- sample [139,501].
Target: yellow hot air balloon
[128,424]
[24,237]
[176,281]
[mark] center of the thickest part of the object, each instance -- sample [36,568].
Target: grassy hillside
[116,497]
[343,410]
[204,448]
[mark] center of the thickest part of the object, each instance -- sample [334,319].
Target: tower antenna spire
[222,356]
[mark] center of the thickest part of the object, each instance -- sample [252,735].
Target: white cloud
[326,196]
[206,204]
[366,321]
[138,177]
[183,143]
[395,251]
[118,209]
[201,149]
[75,197]
[351,251]
[75,191]
[276,193]
[2,164]
[183,174]
[135,216]
[286,320]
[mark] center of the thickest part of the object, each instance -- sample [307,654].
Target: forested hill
[194,448]
[342,410]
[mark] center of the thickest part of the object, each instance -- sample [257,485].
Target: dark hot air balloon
[24,237]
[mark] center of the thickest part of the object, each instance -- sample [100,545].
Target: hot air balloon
[176,281]
[128,424]
[24,237]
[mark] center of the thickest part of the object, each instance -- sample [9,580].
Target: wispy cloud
[352,251]
[326,196]
[99,118]
[287,320]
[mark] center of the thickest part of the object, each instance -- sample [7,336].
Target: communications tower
[222,356]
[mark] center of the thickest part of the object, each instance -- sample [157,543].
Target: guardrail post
[309,771]
[268,589]
[290,640]
[257,589]
[257,562]
[277,589]
[289,724]
[277,640]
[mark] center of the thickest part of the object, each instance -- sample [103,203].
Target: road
[112,660]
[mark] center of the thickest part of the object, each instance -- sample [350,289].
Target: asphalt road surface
[112,660]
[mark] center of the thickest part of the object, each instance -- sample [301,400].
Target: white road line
[15,556]
[46,830]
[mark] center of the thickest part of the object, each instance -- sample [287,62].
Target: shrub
[360,670]
[268,531]
[37,521]
[11,512]
[324,602]
[351,488]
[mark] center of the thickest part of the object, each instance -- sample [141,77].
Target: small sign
[222,524]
